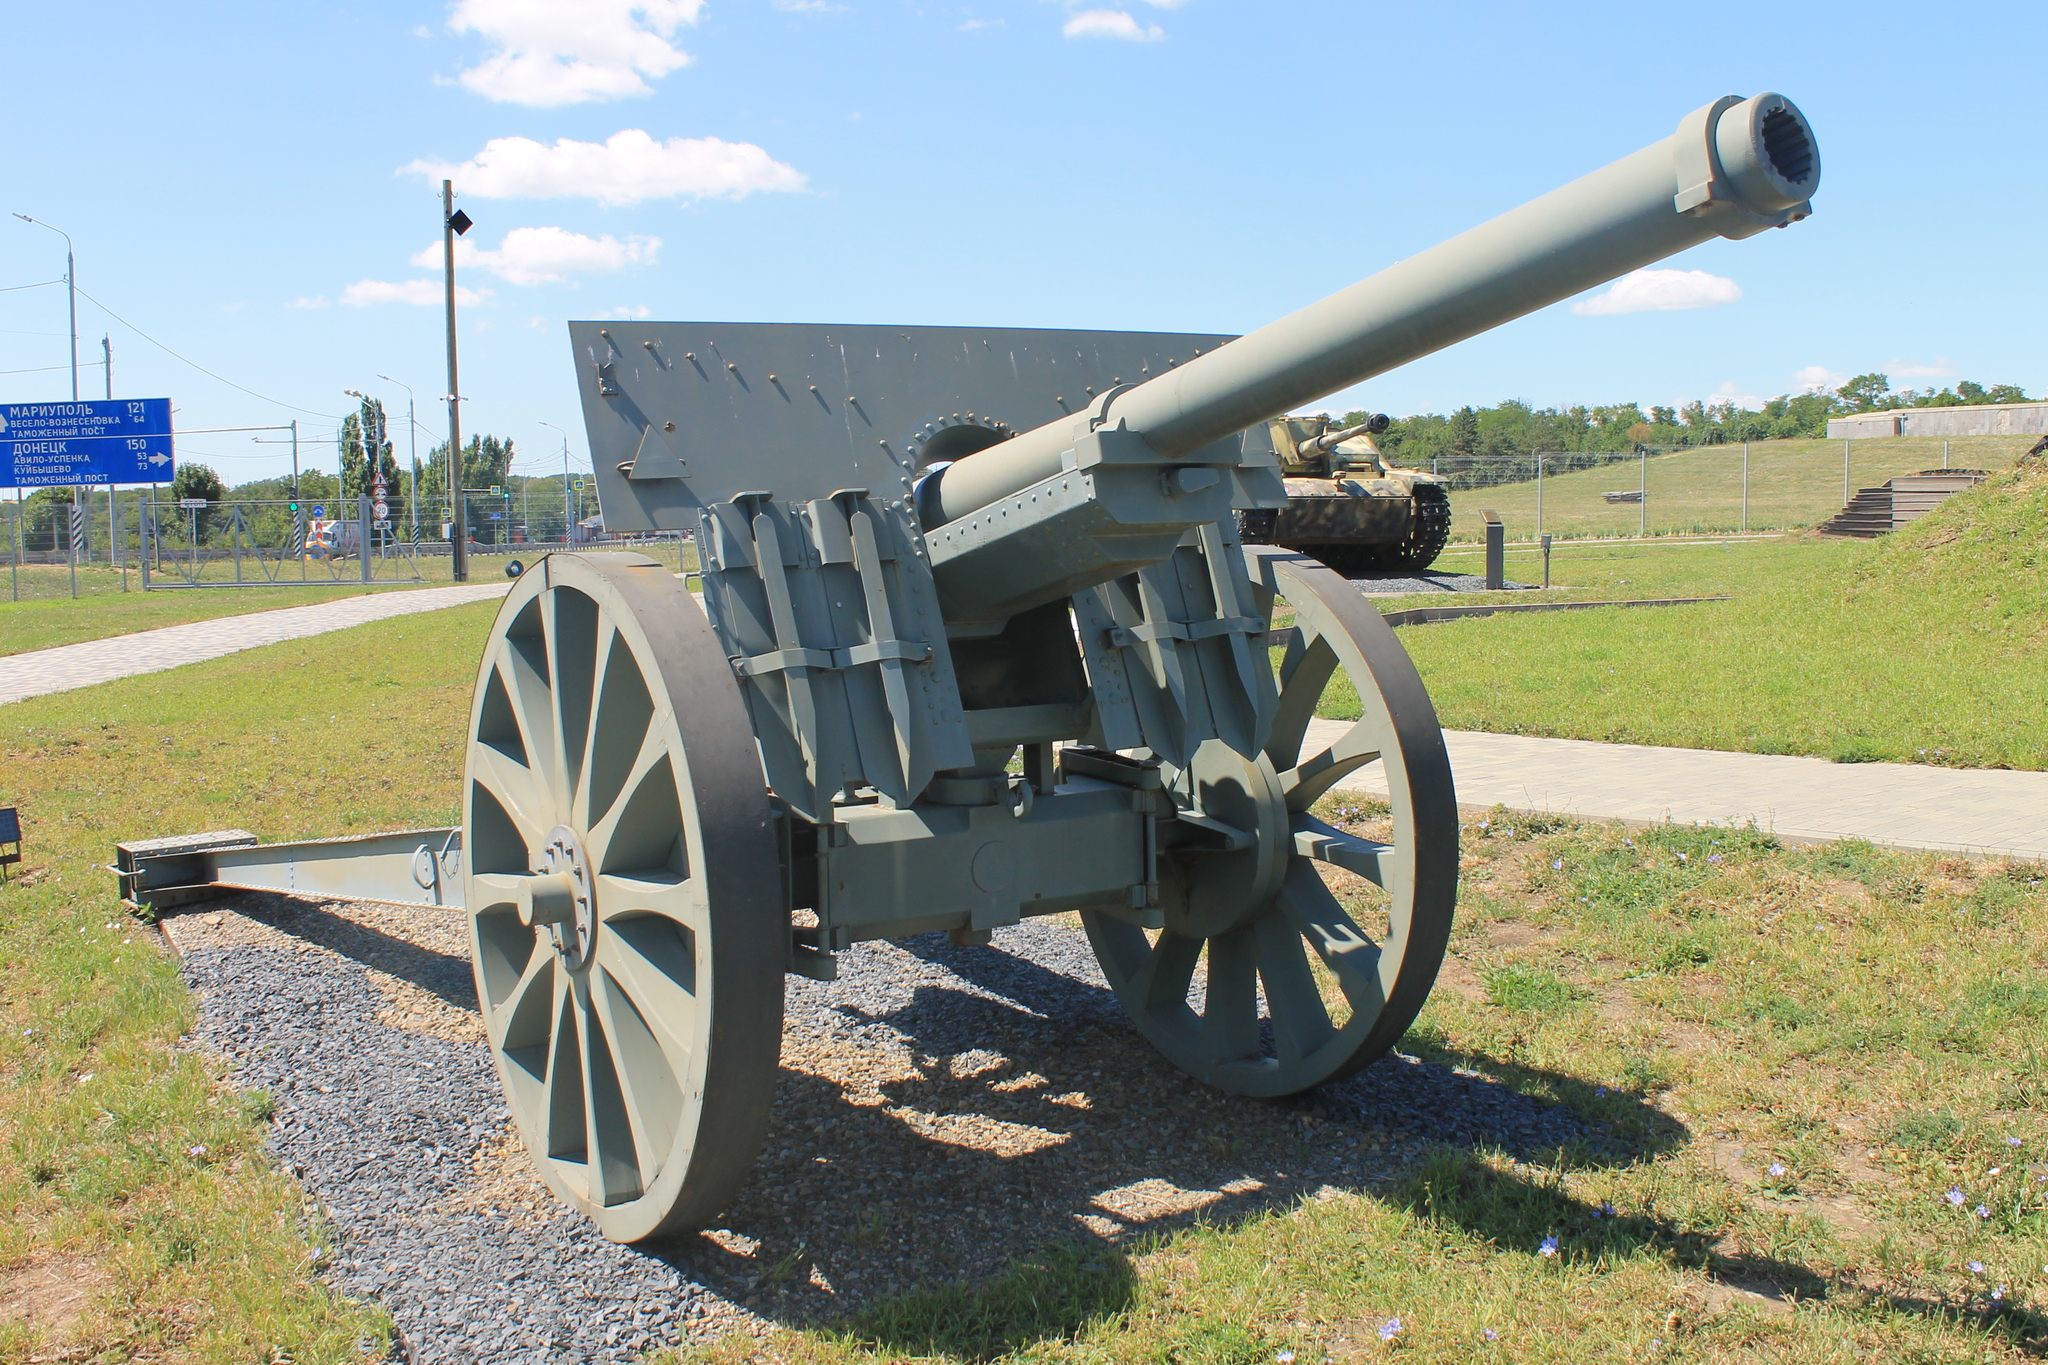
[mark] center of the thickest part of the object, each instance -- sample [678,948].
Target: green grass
[1791,484]
[1925,646]
[48,616]
[1771,1122]
[152,1170]
[1871,1022]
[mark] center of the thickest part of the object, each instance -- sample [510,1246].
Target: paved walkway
[43,671]
[1903,805]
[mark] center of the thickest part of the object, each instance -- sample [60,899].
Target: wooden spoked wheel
[1292,985]
[624,899]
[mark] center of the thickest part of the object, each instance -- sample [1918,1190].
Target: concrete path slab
[1901,805]
[43,671]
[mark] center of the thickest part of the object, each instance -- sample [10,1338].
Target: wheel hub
[562,856]
[1222,881]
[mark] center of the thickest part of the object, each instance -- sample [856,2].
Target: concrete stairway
[1874,511]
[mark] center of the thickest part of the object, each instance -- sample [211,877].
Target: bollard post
[1546,559]
[1496,550]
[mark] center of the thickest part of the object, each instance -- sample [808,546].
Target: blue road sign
[319,513]
[92,441]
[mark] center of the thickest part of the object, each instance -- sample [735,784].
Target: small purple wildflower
[195,1150]
[1983,1212]
[1607,1210]
[1599,1090]
[1713,857]
[1777,1168]
[1284,1358]
[1492,1335]
[2012,1142]
[1954,1197]
[1557,865]
[1976,1267]
[1998,1294]
[1549,1247]
[1390,1329]
[1683,856]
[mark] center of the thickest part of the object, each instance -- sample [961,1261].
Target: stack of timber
[1874,511]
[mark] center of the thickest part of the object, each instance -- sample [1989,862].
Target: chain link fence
[140,540]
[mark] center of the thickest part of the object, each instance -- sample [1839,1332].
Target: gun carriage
[978,640]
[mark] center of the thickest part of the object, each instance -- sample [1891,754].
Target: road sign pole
[363,534]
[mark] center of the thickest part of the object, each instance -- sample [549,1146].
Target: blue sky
[249,184]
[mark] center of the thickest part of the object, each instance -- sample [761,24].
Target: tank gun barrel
[1733,168]
[1330,440]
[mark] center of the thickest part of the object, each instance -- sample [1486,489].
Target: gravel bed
[942,1111]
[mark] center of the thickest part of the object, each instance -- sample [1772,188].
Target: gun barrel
[1330,440]
[1733,168]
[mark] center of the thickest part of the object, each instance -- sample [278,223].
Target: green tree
[1464,433]
[362,433]
[2006,393]
[1866,392]
[198,481]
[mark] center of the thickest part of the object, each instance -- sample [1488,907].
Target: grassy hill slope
[1927,646]
[1791,484]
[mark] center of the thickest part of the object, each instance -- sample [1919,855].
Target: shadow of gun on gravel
[441,974]
[971,1174]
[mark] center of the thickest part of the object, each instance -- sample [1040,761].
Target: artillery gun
[1347,506]
[978,640]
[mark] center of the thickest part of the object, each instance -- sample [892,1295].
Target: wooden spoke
[1261,1024]
[636,1032]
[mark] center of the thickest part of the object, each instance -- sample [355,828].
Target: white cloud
[1642,291]
[1111,23]
[237,306]
[1818,378]
[310,301]
[547,53]
[625,168]
[363,293]
[630,311]
[806,6]
[1166,4]
[547,255]
[973,24]
[1942,368]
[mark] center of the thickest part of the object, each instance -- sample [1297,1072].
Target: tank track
[1428,528]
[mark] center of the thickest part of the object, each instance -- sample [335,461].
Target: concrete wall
[2004,419]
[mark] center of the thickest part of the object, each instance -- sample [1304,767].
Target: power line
[332,417]
[45,284]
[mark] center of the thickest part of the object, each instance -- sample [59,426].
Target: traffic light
[294,508]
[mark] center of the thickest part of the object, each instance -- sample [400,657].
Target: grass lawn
[1774,1122]
[1794,1168]
[47,615]
[1925,646]
[1791,484]
[128,1166]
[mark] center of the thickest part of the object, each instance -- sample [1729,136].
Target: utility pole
[71,289]
[454,224]
[567,520]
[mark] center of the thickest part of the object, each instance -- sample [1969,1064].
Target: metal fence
[1714,489]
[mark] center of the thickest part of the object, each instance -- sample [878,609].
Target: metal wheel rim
[639,1078]
[1260,1026]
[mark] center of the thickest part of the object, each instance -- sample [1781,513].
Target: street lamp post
[453,225]
[567,520]
[412,425]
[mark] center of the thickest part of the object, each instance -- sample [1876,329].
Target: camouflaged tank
[1345,504]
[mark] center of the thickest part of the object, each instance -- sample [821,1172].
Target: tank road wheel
[626,923]
[1428,528]
[1289,987]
